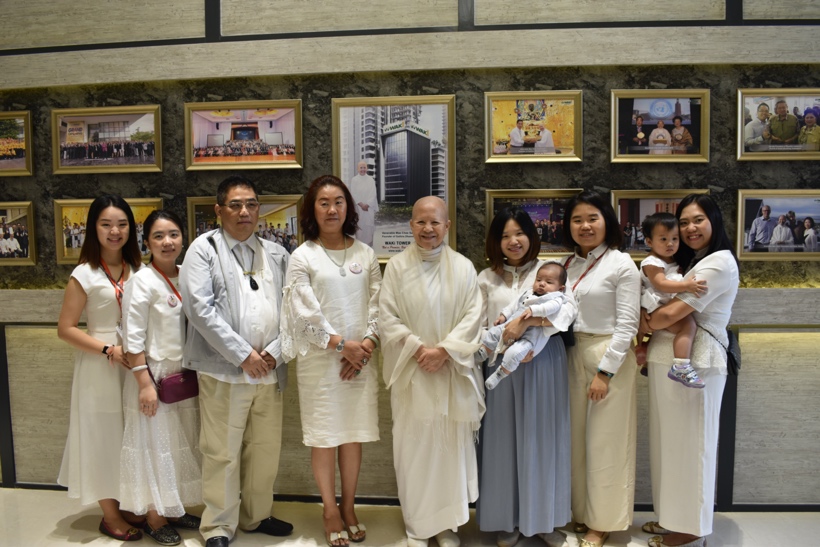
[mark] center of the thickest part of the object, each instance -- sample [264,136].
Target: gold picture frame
[551,124]
[70,216]
[116,139]
[243,135]
[17,217]
[545,208]
[759,140]
[631,143]
[15,151]
[416,131]
[798,206]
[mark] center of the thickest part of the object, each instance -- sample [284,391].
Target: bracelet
[139,368]
[372,339]
[605,373]
[542,321]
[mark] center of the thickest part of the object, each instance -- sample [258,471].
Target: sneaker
[686,375]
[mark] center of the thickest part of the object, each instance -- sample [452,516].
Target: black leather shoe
[272,526]
[186,521]
[217,541]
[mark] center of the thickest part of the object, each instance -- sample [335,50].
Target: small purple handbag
[176,387]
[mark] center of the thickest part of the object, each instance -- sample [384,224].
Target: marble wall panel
[781,9]
[44,23]
[241,17]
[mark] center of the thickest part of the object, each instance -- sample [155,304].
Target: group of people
[14,241]
[633,237]
[643,139]
[247,147]
[107,150]
[782,131]
[277,234]
[786,234]
[465,356]
[12,149]
[550,231]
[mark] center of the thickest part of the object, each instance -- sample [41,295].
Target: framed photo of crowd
[778,225]
[533,126]
[633,206]
[670,125]
[778,124]
[70,216]
[243,135]
[15,144]
[17,237]
[391,151]
[120,139]
[278,218]
[546,209]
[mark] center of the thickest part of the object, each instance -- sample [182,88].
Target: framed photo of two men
[652,126]
[778,225]
[778,124]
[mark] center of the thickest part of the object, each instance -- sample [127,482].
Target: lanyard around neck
[165,277]
[583,275]
[116,284]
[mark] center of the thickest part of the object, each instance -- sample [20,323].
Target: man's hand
[255,366]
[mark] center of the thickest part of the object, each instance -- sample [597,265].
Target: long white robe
[363,190]
[435,303]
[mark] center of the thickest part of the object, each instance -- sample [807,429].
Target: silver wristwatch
[340,346]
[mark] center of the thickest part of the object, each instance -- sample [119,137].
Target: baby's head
[661,234]
[550,277]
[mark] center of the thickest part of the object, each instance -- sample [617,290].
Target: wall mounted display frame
[70,216]
[278,218]
[545,208]
[650,143]
[391,151]
[17,217]
[801,209]
[633,206]
[15,144]
[243,135]
[764,134]
[551,126]
[117,139]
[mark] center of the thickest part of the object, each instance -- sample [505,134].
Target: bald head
[430,222]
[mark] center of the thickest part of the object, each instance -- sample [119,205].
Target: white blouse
[153,321]
[714,308]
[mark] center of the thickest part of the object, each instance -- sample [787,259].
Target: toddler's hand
[695,286]
[499,320]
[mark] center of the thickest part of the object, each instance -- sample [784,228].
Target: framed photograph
[278,218]
[778,124]
[670,125]
[243,135]
[15,144]
[391,151]
[546,209]
[533,126]
[778,225]
[120,139]
[17,236]
[633,206]
[70,216]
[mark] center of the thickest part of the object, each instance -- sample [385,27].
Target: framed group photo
[391,151]
[546,208]
[670,125]
[17,237]
[15,143]
[278,218]
[534,126]
[633,206]
[70,216]
[778,124]
[778,225]
[119,139]
[243,135]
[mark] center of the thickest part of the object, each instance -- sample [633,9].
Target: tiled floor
[34,518]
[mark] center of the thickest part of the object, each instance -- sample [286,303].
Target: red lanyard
[583,275]
[116,284]
[176,292]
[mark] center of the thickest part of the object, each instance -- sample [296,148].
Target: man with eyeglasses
[231,283]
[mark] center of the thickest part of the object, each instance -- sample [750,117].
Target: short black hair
[614,235]
[562,277]
[160,214]
[667,220]
[229,184]
[763,104]
[492,245]
[677,118]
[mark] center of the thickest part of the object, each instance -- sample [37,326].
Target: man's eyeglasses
[236,205]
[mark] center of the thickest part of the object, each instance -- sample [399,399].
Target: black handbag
[568,336]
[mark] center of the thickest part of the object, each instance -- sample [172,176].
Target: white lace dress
[652,298]
[319,302]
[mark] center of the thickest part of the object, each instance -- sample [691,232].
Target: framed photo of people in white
[778,124]
[533,126]
[651,126]
[278,218]
[119,139]
[15,144]
[778,225]
[70,229]
[633,206]
[243,135]
[17,237]
[391,151]
[546,208]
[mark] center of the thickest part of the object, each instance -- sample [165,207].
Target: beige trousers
[240,440]
[603,438]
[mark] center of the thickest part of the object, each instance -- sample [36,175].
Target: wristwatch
[605,373]
[340,346]
[105,350]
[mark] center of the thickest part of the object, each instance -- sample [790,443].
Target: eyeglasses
[251,205]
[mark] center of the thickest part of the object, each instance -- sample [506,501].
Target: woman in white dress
[91,461]
[660,140]
[330,324]
[809,236]
[161,470]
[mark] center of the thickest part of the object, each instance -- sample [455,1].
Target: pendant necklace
[344,257]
